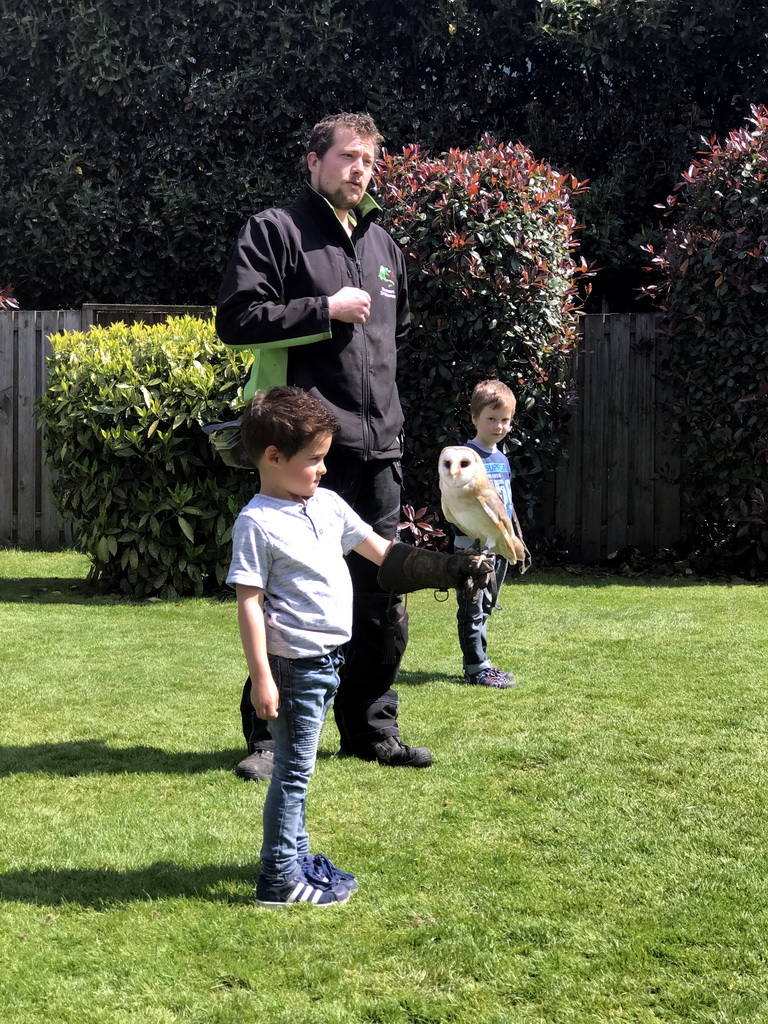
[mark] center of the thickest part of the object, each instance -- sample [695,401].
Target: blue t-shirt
[500,477]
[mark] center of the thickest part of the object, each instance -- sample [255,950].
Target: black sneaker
[393,752]
[257,767]
[302,889]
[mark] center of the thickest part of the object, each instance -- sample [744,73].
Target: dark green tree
[712,264]
[138,136]
[621,94]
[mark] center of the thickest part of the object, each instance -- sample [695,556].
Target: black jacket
[274,300]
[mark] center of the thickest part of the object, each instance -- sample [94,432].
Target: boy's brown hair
[493,393]
[287,417]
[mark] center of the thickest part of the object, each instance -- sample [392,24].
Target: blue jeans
[307,687]
[472,621]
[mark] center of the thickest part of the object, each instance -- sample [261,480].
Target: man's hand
[351,305]
[265,697]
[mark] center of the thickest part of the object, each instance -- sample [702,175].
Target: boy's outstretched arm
[250,617]
[374,548]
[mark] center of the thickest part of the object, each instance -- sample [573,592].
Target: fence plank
[617,419]
[27,456]
[50,527]
[643,448]
[54,533]
[594,437]
[7,427]
[567,503]
[667,463]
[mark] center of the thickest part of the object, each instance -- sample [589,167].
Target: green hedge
[138,136]
[713,266]
[488,235]
[152,504]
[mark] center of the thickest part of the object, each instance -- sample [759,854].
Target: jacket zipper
[365,384]
[365,389]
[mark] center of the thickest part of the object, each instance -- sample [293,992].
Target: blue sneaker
[318,866]
[305,888]
[491,677]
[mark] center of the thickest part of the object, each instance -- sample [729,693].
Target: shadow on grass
[71,590]
[94,757]
[51,590]
[406,678]
[585,576]
[100,888]
[87,757]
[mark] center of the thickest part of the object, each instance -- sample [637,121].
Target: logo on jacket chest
[388,288]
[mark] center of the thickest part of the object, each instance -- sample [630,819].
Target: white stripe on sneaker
[299,895]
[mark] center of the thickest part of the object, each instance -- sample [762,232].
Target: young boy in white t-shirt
[294,598]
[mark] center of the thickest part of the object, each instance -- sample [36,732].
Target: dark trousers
[366,705]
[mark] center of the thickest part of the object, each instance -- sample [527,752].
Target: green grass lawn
[589,847]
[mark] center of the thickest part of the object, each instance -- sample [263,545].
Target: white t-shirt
[295,552]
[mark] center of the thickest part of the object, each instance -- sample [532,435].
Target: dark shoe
[393,752]
[302,889]
[491,677]
[257,767]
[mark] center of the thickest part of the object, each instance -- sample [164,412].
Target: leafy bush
[713,262]
[159,127]
[488,239]
[419,529]
[6,298]
[152,504]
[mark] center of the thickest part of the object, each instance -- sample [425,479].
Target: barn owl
[471,503]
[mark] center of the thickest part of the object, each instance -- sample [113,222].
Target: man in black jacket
[318,291]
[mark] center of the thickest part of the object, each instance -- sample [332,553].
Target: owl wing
[508,545]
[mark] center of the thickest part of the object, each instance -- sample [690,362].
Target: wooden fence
[617,488]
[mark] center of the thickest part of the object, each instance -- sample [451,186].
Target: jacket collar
[366,210]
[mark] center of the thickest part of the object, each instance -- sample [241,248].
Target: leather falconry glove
[406,568]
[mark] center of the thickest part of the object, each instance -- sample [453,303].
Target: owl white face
[458,466]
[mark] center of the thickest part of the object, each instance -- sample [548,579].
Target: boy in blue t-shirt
[492,407]
[294,597]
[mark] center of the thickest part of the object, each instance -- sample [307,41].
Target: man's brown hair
[323,134]
[493,393]
[289,418]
